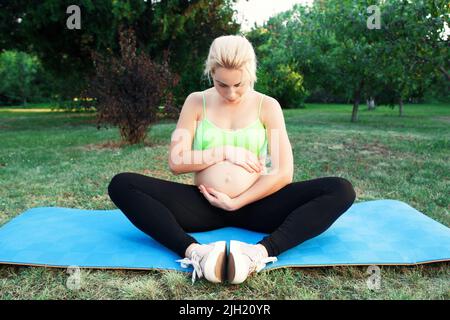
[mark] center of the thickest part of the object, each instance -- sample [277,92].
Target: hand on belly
[226,177]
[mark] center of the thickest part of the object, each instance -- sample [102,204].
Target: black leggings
[167,210]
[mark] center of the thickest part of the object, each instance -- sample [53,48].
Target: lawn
[61,159]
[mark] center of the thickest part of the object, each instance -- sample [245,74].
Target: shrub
[131,91]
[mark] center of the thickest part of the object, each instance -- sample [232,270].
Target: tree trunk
[355,108]
[370,104]
[356,100]
[447,76]
[400,104]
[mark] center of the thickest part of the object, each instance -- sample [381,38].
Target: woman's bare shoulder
[194,102]
[194,97]
[267,98]
[270,107]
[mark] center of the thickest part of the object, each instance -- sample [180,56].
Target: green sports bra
[253,137]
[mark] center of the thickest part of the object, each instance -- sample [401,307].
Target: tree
[414,50]
[278,70]
[22,78]
[341,54]
[184,28]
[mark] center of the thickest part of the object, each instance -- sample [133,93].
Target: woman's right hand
[244,158]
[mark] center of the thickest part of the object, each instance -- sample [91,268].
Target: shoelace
[259,263]
[195,262]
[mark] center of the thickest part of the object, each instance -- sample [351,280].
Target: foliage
[336,52]
[22,79]
[183,28]
[130,90]
[324,52]
[278,72]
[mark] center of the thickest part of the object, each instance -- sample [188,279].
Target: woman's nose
[232,95]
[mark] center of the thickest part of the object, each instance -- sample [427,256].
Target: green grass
[57,159]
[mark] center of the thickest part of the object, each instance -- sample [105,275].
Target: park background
[364,87]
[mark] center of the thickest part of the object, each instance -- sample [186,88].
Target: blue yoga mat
[379,232]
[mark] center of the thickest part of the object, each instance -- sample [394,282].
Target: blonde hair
[232,52]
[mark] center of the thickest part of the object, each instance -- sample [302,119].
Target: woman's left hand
[218,199]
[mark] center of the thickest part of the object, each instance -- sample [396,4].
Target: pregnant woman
[234,139]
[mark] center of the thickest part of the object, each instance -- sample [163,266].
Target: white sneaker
[243,260]
[208,261]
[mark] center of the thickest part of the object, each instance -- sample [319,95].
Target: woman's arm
[181,158]
[195,160]
[282,160]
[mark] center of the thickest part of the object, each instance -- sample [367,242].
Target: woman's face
[230,84]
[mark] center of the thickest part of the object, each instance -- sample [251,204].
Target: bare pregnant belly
[226,177]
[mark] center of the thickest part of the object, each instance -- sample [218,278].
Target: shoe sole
[215,266]
[236,275]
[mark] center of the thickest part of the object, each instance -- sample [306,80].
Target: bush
[131,91]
